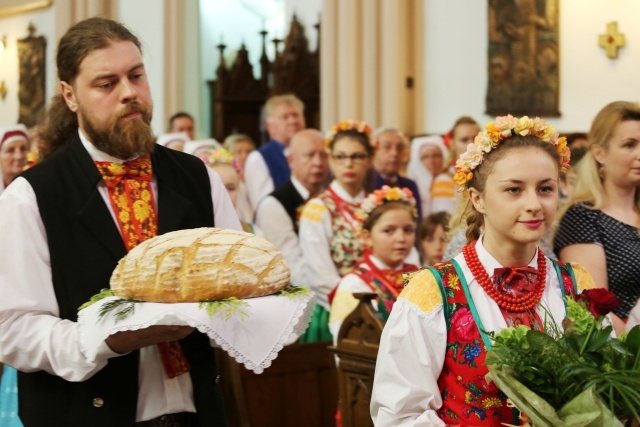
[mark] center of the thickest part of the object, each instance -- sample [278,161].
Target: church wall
[145,18]
[455,68]
[14,27]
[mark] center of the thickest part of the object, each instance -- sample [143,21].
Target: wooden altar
[237,96]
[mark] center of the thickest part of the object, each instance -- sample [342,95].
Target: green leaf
[227,307]
[633,340]
[105,293]
[124,306]
[292,292]
[599,338]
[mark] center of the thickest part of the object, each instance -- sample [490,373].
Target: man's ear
[476,198]
[69,96]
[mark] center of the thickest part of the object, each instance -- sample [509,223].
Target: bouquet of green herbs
[581,376]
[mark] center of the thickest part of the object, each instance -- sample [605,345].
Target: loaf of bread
[201,264]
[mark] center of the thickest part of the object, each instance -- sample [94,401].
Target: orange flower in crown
[345,125]
[505,127]
[384,195]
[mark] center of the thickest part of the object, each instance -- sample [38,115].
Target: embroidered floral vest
[346,247]
[467,398]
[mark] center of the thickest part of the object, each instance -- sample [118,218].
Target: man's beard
[132,139]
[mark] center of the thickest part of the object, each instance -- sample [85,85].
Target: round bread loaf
[201,264]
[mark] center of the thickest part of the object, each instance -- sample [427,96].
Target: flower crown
[220,156]
[216,155]
[387,194]
[505,127]
[344,125]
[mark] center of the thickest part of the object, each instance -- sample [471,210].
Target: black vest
[290,199]
[85,246]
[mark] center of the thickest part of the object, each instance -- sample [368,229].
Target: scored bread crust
[201,264]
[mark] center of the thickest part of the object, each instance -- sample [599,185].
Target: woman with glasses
[330,223]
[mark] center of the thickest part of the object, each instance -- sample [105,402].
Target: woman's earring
[601,170]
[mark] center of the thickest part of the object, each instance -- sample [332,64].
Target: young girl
[430,368]
[223,163]
[433,237]
[328,225]
[389,231]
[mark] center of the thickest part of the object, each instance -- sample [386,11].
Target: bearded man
[104,187]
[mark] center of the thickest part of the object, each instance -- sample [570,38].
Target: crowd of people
[352,209]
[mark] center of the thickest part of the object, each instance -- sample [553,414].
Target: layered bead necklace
[520,304]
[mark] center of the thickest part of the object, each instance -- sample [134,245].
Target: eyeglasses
[355,158]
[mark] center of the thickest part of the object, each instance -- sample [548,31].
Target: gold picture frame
[15,7]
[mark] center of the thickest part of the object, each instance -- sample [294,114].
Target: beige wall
[371,62]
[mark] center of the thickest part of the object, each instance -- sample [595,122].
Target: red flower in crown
[599,301]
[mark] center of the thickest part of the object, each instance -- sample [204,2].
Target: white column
[328,64]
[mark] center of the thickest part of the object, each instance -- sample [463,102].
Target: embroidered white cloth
[252,333]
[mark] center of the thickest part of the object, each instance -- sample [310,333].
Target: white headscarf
[194,147]
[167,138]
[11,134]
[417,172]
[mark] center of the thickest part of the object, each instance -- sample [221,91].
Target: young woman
[389,232]
[430,368]
[600,227]
[433,237]
[329,223]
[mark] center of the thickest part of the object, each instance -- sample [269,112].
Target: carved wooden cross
[613,40]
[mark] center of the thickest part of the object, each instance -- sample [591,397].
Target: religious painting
[523,74]
[31,90]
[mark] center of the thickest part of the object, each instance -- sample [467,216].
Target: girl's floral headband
[388,194]
[218,155]
[344,125]
[505,127]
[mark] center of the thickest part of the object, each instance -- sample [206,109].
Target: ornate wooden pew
[357,349]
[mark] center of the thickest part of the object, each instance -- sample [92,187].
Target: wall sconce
[3,43]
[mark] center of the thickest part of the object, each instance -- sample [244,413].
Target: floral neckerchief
[345,244]
[386,283]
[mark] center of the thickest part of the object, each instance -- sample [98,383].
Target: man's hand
[124,342]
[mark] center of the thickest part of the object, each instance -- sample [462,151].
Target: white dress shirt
[32,335]
[257,178]
[413,343]
[278,229]
[344,302]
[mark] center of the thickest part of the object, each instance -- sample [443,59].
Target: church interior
[413,65]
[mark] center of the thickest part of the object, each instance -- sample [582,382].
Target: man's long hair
[61,124]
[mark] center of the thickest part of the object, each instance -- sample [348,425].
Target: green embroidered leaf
[292,292]
[227,307]
[124,306]
[105,293]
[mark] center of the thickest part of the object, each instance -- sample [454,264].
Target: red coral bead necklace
[513,304]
